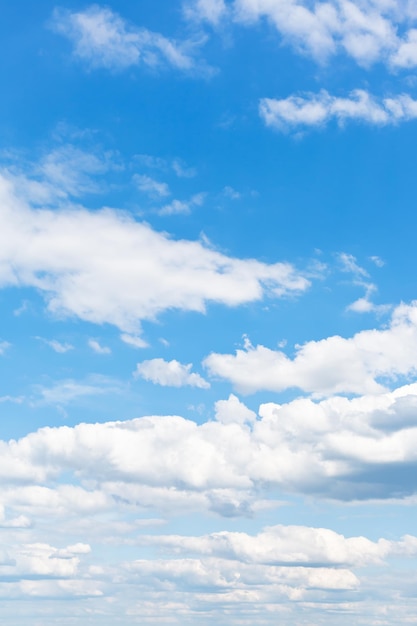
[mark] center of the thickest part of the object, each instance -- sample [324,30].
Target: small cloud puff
[170,374]
[97,347]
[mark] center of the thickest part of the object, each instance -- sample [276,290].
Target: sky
[208,397]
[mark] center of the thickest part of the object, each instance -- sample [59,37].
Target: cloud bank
[347,449]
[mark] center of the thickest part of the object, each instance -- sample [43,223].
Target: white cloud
[182,170]
[57,346]
[377,260]
[101,38]
[104,267]
[98,348]
[66,391]
[361,278]
[328,366]
[37,569]
[65,172]
[4,345]
[295,546]
[231,193]
[255,583]
[14,399]
[316,110]
[349,264]
[133,340]
[151,186]
[177,207]
[170,374]
[406,53]
[71,171]
[367,31]
[46,561]
[347,449]
[233,411]
[176,165]
[210,10]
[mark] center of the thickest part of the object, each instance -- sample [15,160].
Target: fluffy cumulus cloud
[366,31]
[170,374]
[315,110]
[103,39]
[358,364]
[348,449]
[31,570]
[104,266]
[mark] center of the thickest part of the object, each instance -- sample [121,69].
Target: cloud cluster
[358,364]
[103,39]
[33,570]
[316,110]
[237,573]
[104,267]
[368,31]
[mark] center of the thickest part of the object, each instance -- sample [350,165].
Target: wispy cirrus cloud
[361,278]
[150,186]
[57,346]
[101,38]
[64,392]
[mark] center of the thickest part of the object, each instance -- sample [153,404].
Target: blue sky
[209,318]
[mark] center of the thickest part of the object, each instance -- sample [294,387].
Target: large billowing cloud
[358,364]
[349,449]
[103,266]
